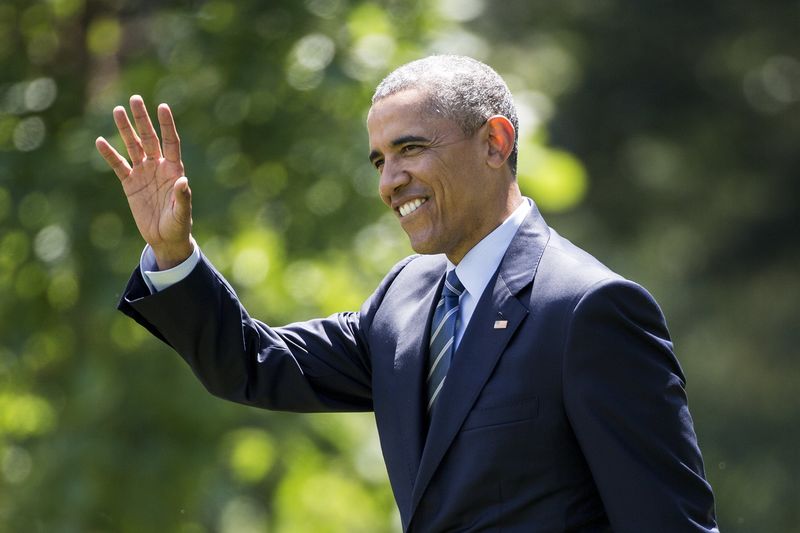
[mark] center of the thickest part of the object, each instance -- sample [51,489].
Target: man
[518,384]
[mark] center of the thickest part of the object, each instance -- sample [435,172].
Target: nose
[393,178]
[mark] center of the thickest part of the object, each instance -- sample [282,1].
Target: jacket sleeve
[625,399]
[318,365]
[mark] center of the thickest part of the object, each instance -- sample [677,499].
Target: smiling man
[447,190]
[518,384]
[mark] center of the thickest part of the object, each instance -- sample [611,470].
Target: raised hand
[158,193]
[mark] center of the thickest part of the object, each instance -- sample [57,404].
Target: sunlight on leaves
[555,179]
[25,415]
[104,36]
[250,454]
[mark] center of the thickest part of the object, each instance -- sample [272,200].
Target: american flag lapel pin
[500,323]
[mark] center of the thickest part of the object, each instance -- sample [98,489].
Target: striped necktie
[443,331]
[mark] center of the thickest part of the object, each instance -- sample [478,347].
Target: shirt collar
[478,266]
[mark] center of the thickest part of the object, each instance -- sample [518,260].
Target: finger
[145,127]
[117,163]
[183,200]
[169,134]
[128,134]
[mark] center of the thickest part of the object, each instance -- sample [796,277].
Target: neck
[506,205]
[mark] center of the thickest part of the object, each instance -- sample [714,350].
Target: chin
[423,247]
[424,242]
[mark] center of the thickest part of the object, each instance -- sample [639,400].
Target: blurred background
[661,136]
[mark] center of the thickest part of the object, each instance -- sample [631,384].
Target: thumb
[182,210]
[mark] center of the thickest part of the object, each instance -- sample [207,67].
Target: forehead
[404,113]
[407,103]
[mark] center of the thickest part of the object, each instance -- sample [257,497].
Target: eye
[378,164]
[411,149]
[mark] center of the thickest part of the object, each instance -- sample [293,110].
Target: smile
[411,206]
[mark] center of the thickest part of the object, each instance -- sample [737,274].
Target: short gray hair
[459,88]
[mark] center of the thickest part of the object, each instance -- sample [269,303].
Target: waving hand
[158,193]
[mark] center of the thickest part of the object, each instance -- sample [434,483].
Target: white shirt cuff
[158,280]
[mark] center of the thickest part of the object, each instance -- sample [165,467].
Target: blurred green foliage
[662,138]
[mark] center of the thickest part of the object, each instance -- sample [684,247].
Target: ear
[500,133]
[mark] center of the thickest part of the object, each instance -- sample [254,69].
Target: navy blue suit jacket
[571,418]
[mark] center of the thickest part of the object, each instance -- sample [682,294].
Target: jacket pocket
[507,412]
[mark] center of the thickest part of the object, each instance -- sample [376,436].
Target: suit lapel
[410,362]
[400,411]
[482,345]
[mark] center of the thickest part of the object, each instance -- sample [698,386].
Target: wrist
[168,257]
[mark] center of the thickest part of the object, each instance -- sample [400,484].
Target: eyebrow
[405,139]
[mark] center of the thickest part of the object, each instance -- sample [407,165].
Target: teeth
[409,207]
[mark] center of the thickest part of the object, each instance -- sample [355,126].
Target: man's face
[432,175]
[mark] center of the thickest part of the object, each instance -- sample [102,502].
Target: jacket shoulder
[569,271]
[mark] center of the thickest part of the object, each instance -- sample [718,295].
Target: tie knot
[453,287]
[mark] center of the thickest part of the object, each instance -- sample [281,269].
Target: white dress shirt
[479,265]
[158,280]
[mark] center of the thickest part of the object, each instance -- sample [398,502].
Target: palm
[157,192]
[149,191]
